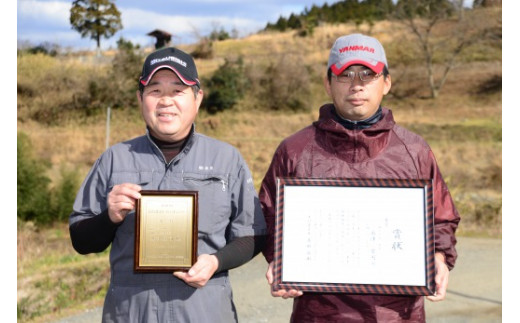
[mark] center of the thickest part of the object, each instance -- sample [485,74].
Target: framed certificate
[359,236]
[166,231]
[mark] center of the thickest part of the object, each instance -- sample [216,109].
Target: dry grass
[53,280]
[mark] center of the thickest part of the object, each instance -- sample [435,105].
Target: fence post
[107,142]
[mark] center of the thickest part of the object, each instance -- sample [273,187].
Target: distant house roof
[162,37]
[160,33]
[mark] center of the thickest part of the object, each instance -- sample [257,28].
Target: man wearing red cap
[355,137]
[170,156]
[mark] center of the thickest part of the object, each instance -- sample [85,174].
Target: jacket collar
[353,145]
[190,139]
[328,121]
[362,124]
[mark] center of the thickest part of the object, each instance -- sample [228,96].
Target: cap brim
[378,68]
[181,77]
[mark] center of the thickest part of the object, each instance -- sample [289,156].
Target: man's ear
[139,97]
[326,83]
[388,84]
[199,98]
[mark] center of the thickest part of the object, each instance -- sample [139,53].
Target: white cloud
[62,38]
[55,37]
[137,19]
[51,13]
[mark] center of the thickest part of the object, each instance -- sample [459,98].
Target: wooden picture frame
[360,236]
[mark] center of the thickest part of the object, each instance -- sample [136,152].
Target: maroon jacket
[326,149]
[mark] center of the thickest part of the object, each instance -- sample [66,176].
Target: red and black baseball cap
[173,59]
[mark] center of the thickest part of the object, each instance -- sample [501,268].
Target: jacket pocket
[213,197]
[140,178]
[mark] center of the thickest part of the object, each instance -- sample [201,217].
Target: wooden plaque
[166,231]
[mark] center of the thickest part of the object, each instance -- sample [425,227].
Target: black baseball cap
[171,58]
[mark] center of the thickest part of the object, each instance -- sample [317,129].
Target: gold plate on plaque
[166,231]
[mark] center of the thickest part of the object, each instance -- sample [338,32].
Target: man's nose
[166,100]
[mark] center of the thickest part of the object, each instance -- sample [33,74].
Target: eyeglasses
[364,75]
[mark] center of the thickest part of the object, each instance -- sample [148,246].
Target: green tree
[36,201]
[116,86]
[280,25]
[33,195]
[217,35]
[95,19]
[64,194]
[227,85]
[126,68]
[316,14]
[380,9]
[356,11]
[294,22]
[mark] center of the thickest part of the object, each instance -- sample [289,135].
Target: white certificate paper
[359,235]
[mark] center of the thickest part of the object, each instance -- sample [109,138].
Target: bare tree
[422,17]
[204,46]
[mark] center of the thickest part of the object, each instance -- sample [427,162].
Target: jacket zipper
[213,178]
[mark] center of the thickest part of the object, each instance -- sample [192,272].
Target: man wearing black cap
[170,156]
[356,138]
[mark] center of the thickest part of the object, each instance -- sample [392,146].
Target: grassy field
[463,126]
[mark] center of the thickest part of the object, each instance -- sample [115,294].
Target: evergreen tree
[226,86]
[294,22]
[380,9]
[281,24]
[95,19]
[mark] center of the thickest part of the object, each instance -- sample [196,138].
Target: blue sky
[41,21]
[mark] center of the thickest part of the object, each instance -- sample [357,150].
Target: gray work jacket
[228,208]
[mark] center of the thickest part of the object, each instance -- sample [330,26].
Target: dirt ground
[474,291]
